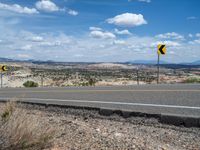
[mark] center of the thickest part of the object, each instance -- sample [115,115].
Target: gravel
[80,129]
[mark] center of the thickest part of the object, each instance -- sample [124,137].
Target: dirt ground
[79,129]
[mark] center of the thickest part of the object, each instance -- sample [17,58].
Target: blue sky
[100,30]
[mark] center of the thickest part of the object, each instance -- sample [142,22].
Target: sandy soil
[78,129]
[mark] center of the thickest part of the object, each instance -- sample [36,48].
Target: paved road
[173,99]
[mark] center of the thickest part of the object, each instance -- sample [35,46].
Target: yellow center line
[91,91]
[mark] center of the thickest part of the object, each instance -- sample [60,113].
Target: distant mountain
[146,62]
[29,60]
[196,62]
[6,60]
[192,63]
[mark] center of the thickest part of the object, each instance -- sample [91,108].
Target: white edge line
[102,102]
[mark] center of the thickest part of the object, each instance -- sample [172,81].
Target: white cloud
[197,41]
[18,9]
[171,35]
[37,39]
[85,48]
[171,52]
[46,5]
[49,6]
[72,12]
[23,56]
[119,42]
[30,37]
[102,35]
[190,35]
[167,43]
[78,55]
[122,32]
[26,47]
[128,20]
[197,34]
[51,44]
[192,18]
[95,29]
[146,1]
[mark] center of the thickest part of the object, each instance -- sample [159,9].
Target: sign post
[2,69]
[1,80]
[158,69]
[161,51]
[137,71]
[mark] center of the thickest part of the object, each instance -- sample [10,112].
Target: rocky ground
[105,74]
[77,129]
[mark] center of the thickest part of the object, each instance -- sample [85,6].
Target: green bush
[30,84]
[193,80]
[91,82]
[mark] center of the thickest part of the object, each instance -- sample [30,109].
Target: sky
[100,30]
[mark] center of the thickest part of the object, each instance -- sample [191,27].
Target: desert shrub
[20,131]
[9,108]
[84,84]
[193,80]
[91,82]
[30,84]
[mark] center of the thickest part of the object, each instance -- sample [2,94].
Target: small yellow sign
[162,49]
[3,68]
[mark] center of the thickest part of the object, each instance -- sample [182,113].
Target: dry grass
[21,131]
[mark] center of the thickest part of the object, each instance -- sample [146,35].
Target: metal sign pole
[158,65]
[138,77]
[1,80]
[42,81]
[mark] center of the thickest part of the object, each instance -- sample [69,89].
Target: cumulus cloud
[62,47]
[46,5]
[146,1]
[95,29]
[18,9]
[37,39]
[30,37]
[102,35]
[122,32]
[171,35]
[49,6]
[127,20]
[191,18]
[23,56]
[168,43]
[72,12]
[196,41]
[190,35]
[26,47]
[171,52]
[197,34]
[119,42]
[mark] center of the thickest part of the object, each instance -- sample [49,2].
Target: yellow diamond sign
[162,49]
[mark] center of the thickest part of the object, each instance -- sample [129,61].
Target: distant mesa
[146,62]
[117,64]
[6,60]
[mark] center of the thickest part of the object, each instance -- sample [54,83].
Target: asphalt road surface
[182,99]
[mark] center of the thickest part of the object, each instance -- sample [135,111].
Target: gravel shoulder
[85,129]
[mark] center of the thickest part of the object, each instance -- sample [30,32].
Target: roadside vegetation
[30,84]
[193,80]
[19,131]
[63,75]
